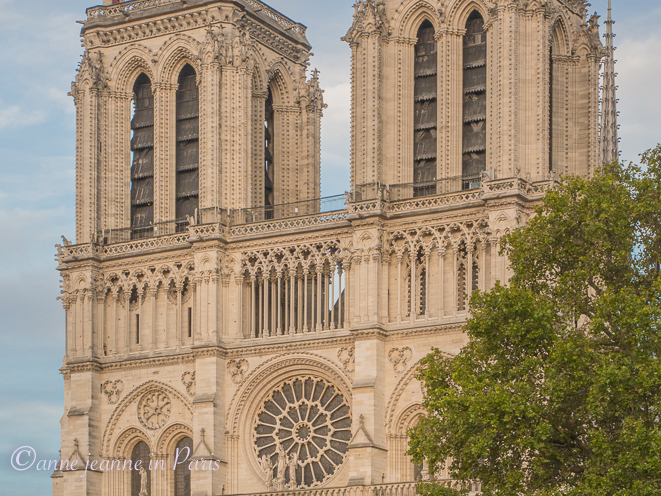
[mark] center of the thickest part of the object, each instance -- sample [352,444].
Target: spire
[609,127]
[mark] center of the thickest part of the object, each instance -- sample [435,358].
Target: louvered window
[425,93]
[269,151]
[142,148]
[475,101]
[188,146]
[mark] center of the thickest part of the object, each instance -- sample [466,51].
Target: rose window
[154,410]
[306,422]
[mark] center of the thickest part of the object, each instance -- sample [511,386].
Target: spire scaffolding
[609,127]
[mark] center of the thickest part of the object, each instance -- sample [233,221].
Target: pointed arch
[174,55]
[461,10]
[281,83]
[128,65]
[560,37]
[109,436]
[408,22]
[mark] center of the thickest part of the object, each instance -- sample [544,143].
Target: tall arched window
[475,102]
[188,147]
[140,452]
[142,169]
[425,125]
[269,152]
[182,471]
[556,110]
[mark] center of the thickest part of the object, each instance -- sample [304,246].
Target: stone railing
[285,22]
[324,213]
[402,489]
[289,224]
[126,8]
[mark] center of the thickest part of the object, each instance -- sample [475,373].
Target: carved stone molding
[238,369]
[400,357]
[188,380]
[113,390]
[347,358]
[154,410]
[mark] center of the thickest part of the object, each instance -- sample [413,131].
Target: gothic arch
[128,65]
[260,76]
[281,83]
[559,36]
[131,398]
[173,57]
[172,434]
[127,440]
[411,18]
[393,402]
[460,12]
[408,417]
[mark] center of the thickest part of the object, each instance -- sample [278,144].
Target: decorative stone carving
[302,432]
[188,380]
[154,410]
[346,357]
[238,370]
[113,390]
[399,357]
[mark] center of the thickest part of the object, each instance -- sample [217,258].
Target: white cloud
[14,116]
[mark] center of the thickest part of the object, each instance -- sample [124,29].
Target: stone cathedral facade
[218,308]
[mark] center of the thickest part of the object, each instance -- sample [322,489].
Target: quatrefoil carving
[400,357]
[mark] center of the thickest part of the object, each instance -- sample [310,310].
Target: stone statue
[282,466]
[143,482]
[267,469]
[292,463]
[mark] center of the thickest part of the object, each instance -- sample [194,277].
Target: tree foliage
[558,392]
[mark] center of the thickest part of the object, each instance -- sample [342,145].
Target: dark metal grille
[475,98]
[188,145]
[269,152]
[142,146]
[425,117]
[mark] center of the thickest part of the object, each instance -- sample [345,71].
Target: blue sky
[39,51]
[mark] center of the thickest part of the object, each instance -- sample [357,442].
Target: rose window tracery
[302,433]
[154,410]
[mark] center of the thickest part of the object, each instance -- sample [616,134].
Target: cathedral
[229,331]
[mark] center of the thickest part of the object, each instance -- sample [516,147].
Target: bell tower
[172,99]
[444,91]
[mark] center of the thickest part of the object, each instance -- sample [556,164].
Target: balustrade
[294,300]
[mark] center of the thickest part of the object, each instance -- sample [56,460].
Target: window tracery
[475,101]
[302,433]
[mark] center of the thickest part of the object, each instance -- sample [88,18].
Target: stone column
[153,291]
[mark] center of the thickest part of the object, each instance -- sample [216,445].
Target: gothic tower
[446,90]
[228,331]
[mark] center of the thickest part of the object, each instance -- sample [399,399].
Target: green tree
[558,392]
